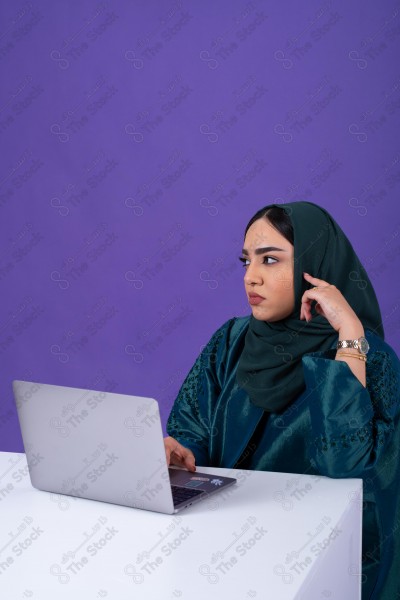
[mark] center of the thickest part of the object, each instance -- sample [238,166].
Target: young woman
[306,383]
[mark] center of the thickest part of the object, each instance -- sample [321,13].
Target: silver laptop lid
[97,445]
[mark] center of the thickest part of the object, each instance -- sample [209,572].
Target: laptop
[104,446]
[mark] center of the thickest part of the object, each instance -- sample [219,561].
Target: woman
[306,383]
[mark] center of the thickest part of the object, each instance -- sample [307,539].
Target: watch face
[363,345]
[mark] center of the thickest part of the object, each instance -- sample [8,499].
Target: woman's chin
[260,313]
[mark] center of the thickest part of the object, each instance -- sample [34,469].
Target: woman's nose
[252,274]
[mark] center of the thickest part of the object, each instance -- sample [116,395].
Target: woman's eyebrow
[264,250]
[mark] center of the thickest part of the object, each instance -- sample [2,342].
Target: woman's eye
[266,260]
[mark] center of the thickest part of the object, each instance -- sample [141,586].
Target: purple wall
[139,137]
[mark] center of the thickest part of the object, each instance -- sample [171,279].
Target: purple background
[138,138]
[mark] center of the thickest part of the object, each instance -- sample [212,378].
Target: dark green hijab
[270,367]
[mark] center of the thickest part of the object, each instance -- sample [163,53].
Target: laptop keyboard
[181,494]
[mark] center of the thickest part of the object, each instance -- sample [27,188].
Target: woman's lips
[255,299]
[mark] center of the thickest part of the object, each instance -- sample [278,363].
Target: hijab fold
[270,367]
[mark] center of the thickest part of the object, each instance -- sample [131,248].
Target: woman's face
[269,271]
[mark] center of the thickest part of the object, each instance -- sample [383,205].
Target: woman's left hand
[331,304]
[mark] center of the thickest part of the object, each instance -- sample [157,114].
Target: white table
[271,536]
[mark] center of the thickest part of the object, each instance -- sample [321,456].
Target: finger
[175,458]
[302,313]
[190,461]
[319,310]
[314,280]
[307,312]
[168,449]
[178,455]
[186,458]
[308,298]
[183,457]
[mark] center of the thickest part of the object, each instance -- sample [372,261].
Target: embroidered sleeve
[190,419]
[353,426]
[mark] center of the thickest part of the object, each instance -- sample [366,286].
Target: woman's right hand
[178,455]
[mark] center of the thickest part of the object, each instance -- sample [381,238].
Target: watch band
[347,344]
[361,345]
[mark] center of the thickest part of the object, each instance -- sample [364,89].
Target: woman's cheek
[284,279]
